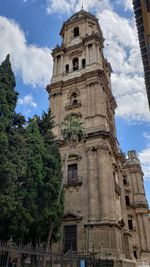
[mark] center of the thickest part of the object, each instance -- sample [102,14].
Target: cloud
[146,135]
[71,6]
[127,4]
[32,63]
[27,101]
[144,157]
[122,51]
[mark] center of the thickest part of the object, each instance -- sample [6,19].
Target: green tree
[53,175]
[8,99]
[30,171]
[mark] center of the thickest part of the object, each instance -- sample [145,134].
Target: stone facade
[106,196]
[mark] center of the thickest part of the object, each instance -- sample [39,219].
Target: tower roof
[77,16]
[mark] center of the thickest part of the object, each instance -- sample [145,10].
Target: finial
[82,5]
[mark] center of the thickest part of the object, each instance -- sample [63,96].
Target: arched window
[67,68]
[76,31]
[83,63]
[127,200]
[75,63]
[74,100]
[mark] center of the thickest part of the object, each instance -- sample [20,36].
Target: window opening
[72,173]
[67,68]
[127,200]
[135,254]
[83,63]
[130,224]
[124,181]
[70,238]
[75,102]
[76,31]
[147,5]
[75,63]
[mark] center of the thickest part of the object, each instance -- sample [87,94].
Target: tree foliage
[72,130]
[30,171]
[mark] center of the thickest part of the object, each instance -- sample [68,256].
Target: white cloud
[71,6]
[122,51]
[34,64]
[144,157]
[27,101]
[146,135]
[127,4]
[118,29]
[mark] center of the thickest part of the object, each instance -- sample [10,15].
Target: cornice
[102,223]
[98,74]
[74,48]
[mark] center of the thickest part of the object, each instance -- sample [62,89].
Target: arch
[67,68]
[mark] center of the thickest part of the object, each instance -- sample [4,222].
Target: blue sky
[29,29]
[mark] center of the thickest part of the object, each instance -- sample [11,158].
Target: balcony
[76,181]
[139,204]
[71,105]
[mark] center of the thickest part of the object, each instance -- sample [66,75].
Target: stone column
[80,63]
[88,102]
[92,88]
[91,185]
[141,232]
[140,183]
[94,54]
[98,55]
[87,55]
[61,65]
[106,185]
[55,66]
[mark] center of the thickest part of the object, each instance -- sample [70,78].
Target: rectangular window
[147,2]
[70,238]
[130,224]
[72,173]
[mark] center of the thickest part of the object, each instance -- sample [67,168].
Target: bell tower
[95,220]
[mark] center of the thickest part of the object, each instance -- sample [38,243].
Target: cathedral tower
[95,218]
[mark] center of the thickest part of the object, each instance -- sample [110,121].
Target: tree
[52,181]
[30,171]
[73,133]
[8,99]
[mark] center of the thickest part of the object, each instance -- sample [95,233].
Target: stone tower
[137,207]
[95,216]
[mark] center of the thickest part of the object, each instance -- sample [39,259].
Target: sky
[29,30]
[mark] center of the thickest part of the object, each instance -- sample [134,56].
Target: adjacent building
[105,211]
[142,16]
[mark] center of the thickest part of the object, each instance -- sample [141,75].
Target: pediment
[69,216]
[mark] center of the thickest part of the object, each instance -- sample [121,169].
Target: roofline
[87,14]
